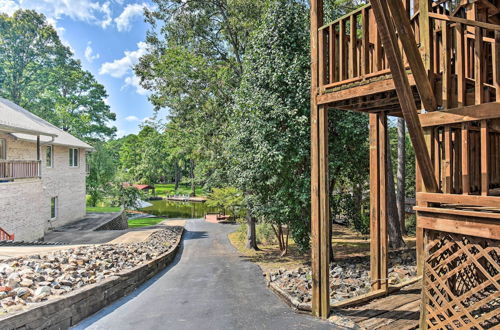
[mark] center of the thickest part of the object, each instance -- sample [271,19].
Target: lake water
[171,209]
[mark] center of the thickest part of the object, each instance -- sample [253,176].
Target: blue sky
[108,37]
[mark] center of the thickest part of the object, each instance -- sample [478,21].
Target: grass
[346,243]
[169,189]
[102,209]
[144,222]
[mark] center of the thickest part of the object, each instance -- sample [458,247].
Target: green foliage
[228,198]
[269,140]
[410,160]
[411,224]
[127,197]
[265,234]
[40,74]
[102,172]
[344,208]
[144,222]
[102,209]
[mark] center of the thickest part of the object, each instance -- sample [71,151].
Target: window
[3,149]
[48,156]
[73,157]
[53,207]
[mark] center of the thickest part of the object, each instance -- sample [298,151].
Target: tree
[102,172]
[401,195]
[269,141]
[228,198]
[393,221]
[193,67]
[38,73]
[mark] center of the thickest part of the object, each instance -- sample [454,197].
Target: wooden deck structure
[437,64]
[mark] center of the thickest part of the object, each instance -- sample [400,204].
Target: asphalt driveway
[208,286]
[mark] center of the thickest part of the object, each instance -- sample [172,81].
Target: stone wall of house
[25,204]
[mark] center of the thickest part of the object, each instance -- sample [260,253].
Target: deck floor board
[399,310]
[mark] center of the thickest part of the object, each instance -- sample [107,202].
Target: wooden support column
[378,202]
[404,92]
[465,159]
[319,179]
[426,44]
[485,153]
[496,65]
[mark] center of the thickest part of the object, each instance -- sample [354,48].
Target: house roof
[24,125]
[143,186]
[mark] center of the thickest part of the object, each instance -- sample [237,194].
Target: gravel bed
[32,279]
[348,278]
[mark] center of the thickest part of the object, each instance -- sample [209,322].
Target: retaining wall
[72,308]
[118,223]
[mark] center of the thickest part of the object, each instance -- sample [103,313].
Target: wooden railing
[350,49]
[19,169]
[464,65]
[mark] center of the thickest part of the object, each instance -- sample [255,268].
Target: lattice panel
[462,282]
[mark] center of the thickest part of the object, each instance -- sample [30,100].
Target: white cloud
[90,11]
[9,7]
[135,118]
[132,118]
[134,81]
[123,22]
[89,53]
[120,67]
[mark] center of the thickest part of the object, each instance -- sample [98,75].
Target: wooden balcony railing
[19,169]
[464,68]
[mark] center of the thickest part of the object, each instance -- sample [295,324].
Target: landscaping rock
[35,278]
[348,278]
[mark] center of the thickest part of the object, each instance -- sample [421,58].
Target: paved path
[208,286]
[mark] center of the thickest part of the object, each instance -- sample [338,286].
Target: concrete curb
[70,309]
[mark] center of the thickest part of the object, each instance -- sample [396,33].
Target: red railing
[4,236]
[19,169]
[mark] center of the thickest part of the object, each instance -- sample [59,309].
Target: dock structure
[436,63]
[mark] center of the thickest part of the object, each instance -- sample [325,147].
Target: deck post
[319,179]
[378,202]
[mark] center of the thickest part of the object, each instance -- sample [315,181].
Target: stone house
[42,174]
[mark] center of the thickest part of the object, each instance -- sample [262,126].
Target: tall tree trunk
[332,219]
[251,233]
[191,172]
[394,228]
[401,173]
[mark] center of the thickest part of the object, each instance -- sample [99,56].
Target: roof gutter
[13,129]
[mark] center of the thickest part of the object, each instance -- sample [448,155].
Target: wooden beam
[374,203]
[474,200]
[383,238]
[465,159]
[461,115]
[405,94]
[495,58]
[407,37]
[324,212]
[456,224]
[317,170]
[353,47]
[363,90]
[485,153]
[479,66]
[460,65]
[446,65]
[469,22]
[426,44]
